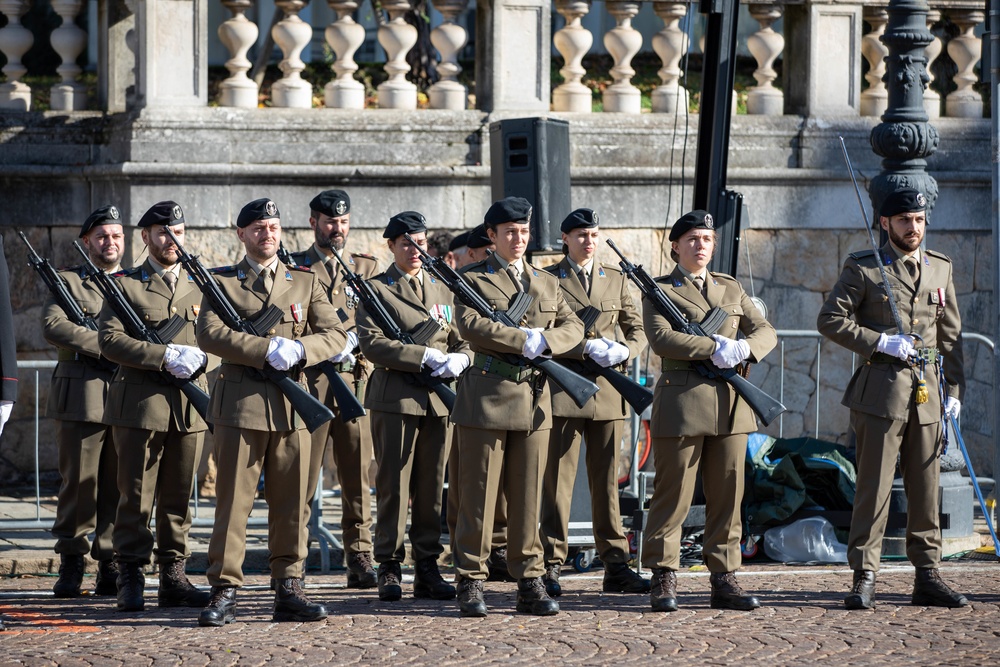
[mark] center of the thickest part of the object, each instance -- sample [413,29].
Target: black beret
[694,220]
[258,209]
[581,217]
[478,238]
[459,241]
[163,213]
[106,215]
[509,209]
[906,200]
[407,222]
[333,203]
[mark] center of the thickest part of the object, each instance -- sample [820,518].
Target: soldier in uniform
[700,421]
[330,219]
[587,282]
[88,465]
[504,412]
[157,432]
[256,429]
[410,423]
[889,414]
[8,347]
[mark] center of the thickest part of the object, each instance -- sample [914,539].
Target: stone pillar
[512,55]
[932,99]
[622,42]
[68,40]
[875,99]
[965,50]
[116,60]
[238,34]
[15,40]
[765,45]
[344,36]
[670,45]
[573,41]
[171,53]
[291,34]
[449,38]
[397,37]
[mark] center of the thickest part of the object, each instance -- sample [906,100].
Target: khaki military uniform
[600,421]
[697,420]
[885,418]
[410,423]
[157,432]
[351,442]
[8,342]
[88,465]
[255,427]
[503,423]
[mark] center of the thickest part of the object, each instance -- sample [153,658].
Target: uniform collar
[691,276]
[159,269]
[577,268]
[258,268]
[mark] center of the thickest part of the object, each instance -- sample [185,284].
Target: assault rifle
[763,405]
[312,411]
[579,388]
[427,329]
[136,328]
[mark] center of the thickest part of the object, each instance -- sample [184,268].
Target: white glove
[347,354]
[594,348]
[183,361]
[343,356]
[535,345]
[453,366]
[283,353]
[433,358]
[896,345]
[5,408]
[729,351]
[952,407]
[616,353]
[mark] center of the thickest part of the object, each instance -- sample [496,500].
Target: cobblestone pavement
[803,622]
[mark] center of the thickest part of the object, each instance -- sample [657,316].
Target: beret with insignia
[258,209]
[459,241]
[478,238]
[106,215]
[407,222]
[580,218]
[162,213]
[906,200]
[333,203]
[694,220]
[509,209]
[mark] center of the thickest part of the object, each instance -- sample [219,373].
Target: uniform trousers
[154,466]
[88,493]
[676,460]
[241,456]
[499,538]
[513,461]
[411,451]
[879,441]
[603,442]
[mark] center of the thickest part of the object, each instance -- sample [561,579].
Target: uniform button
[271,332]
[147,317]
[222,376]
[173,309]
[336,291]
[84,310]
[915,322]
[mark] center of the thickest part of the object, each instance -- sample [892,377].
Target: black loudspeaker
[530,159]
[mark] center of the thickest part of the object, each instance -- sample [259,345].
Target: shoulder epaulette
[127,272]
[223,269]
[552,268]
[862,254]
[939,255]
[78,269]
[364,255]
[475,265]
[609,267]
[307,269]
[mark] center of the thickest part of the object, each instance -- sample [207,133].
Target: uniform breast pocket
[151,315]
[90,307]
[734,312]
[935,301]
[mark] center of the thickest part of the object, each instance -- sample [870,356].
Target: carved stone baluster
[932,100]
[397,37]
[238,34]
[670,44]
[291,34]
[449,38]
[875,98]
[15,40]
[68,40]
[765,45]
[965,50]
[622,42]
[573,41]
[345,36]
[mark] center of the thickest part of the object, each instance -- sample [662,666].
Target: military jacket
[140,397]
[80,381]
[857,311]
[8,342]
[486,400]
[241,397]
[608,294]
[388,389]
[685,402]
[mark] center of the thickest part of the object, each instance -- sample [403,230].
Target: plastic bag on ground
[807,540]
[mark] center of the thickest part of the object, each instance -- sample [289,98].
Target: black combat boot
[551,580]
[71,569]
[663,590]
[862,595]
[428,583]
[532,598]
[390,578]
[930,591]
[291,603]
[131,584]
[619,578]
[496,563]
[727,594]
[471,601]
[176,590]
[221,607]
[107,578]
[361,571]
